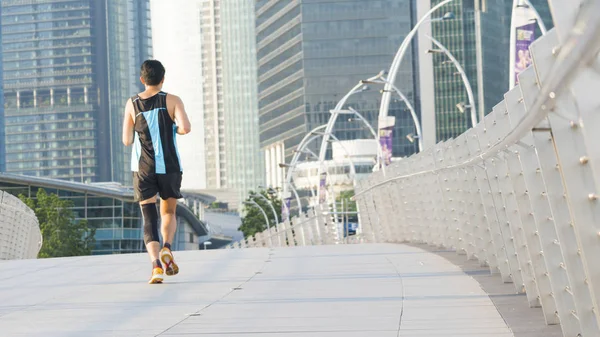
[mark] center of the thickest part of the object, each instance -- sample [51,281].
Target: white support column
[268,166]
[274,164]
[426,78]
[279,158]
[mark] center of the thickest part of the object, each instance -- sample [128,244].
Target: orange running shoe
[167,259]
[157,276]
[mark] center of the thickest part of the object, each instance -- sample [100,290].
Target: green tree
[62,235]
[254,221]
[346,196]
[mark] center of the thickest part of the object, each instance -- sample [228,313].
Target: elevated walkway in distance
[344,290]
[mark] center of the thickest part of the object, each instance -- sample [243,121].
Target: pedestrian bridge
[518,193]
[329,290]
[494,233]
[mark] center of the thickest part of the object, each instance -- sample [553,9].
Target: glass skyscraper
[244,164]
[459,36]
[68,68]
[310,54]
[129,38]
[2,135]
[212,74]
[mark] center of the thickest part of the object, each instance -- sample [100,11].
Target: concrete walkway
[349,290]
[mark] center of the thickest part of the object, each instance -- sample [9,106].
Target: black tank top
[155,146]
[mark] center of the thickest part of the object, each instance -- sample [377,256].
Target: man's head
[152,72]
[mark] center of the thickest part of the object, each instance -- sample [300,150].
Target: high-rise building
[2,136]
[212,66]
[244,163]
[459,36]
[68,68]
[177,41]
[129,39]
[214,71]
[310,54]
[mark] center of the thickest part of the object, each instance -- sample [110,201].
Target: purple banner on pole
[385,140]
[525,36]
[322,188]
[285,209]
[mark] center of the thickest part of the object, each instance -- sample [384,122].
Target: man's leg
[168,219]
[151,238]
[168,228]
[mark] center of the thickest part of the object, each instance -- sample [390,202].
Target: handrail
[580,48]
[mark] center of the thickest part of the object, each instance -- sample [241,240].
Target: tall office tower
[208,48]
[459,35]
[129,44]
[244,164]
[177,42]
[67,69]
[2,136]
[310,54]
[212,65]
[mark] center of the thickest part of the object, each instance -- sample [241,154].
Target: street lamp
[359,87]
[309,137]
[352,165]
[411,137]
[462,106]
[255,204]
[272,209]
[413,113]
[464,77]
[538,18]
[269,203]
[308,151]
[272,191]
[385,99]
[352,170]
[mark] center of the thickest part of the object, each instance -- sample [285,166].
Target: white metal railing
[20,236]
[519,192]
[308,229]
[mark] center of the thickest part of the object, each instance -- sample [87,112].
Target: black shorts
[147,185]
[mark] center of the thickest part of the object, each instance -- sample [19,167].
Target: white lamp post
[255,204]
[465,79]
[383,80]
[385,99]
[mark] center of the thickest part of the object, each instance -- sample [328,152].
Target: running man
[152,120]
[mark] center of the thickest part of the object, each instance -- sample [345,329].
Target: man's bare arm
[128,123]
[181,118]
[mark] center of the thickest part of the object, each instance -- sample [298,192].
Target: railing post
[577,174]
[501,126]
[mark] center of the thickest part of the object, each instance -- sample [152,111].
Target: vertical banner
[322,188]
[285,209]
[385,141]
[525,35]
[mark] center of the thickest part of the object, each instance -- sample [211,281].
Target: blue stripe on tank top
[176,148]
[136,153]
[159,157]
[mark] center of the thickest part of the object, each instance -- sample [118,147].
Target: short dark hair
[152,72]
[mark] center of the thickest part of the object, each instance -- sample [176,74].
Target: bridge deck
[348,290]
